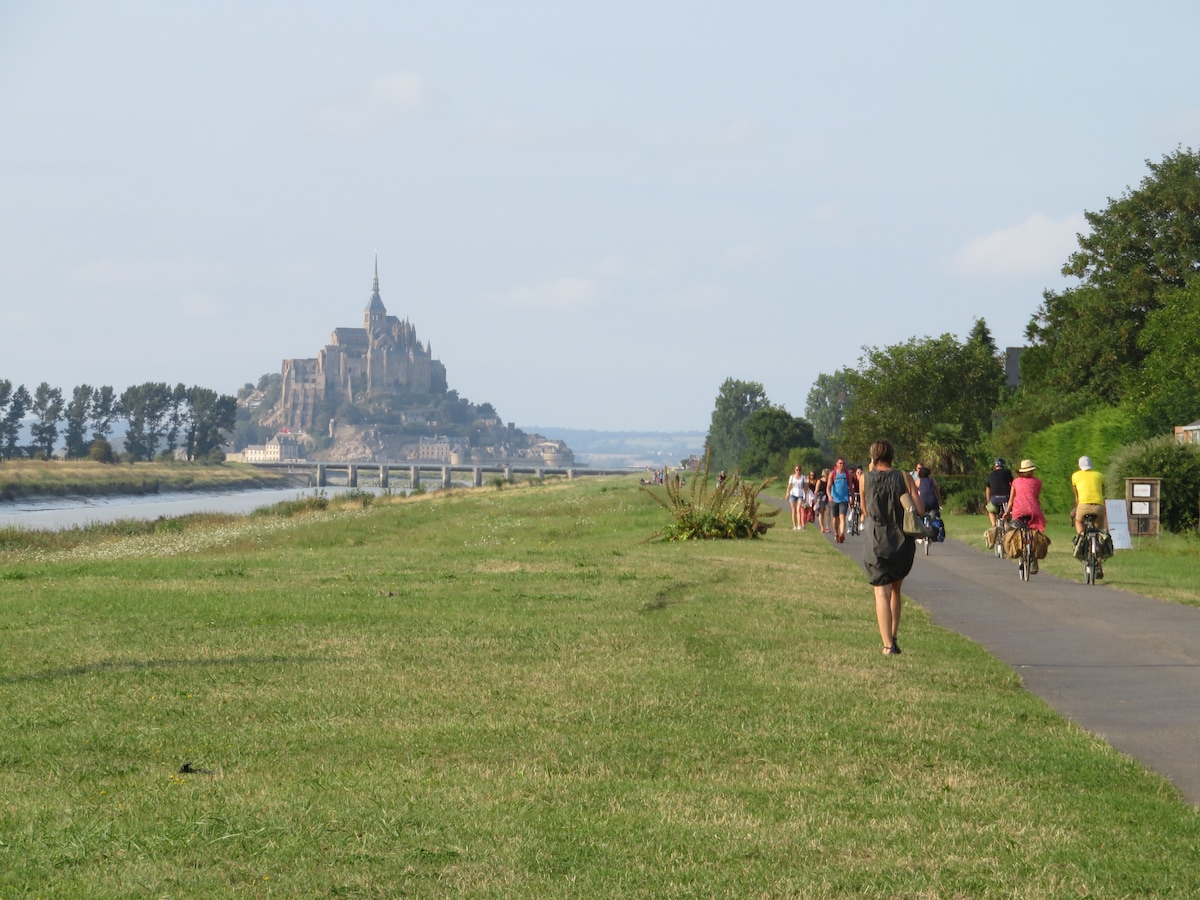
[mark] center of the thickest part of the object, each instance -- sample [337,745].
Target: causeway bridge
[332,474]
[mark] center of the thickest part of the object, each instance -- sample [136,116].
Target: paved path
[1124,667]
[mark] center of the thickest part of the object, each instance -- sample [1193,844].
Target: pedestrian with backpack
[839,499]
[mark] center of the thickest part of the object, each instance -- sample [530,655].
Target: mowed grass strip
[511,693]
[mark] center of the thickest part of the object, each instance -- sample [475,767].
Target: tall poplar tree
[727,440]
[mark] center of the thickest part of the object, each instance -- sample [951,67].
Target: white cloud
[553,295]
[377,107]
[1038,246]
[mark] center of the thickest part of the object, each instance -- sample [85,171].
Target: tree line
[160,419]
[1116,357]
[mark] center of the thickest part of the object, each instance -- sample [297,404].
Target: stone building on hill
[358,365]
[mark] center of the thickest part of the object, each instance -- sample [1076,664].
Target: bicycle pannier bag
[1041,545]
[1012,543]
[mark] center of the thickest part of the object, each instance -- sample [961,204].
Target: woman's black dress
[888,552]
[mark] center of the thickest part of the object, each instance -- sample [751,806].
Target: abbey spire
[376,313]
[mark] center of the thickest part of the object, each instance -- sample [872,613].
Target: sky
[595,213]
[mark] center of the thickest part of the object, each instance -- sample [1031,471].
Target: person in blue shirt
[839,499]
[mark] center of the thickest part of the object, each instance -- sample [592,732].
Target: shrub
[729,510]
[1056,452]
[101,451]
[287,508]
[357,497]
[1178,467]
[962,493]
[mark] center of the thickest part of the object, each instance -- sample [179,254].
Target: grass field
[511,693]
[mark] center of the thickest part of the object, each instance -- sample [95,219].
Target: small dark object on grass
[188,769]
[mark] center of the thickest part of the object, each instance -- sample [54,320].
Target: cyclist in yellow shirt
[1088,485]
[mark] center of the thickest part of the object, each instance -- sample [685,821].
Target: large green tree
[826,405]
[727,441]
[903,391]
[1166,389]
[13,406]
[76,418]
[48,407]
[102,412]
[773,432]
[147,409]
[1084,346]
[207,416]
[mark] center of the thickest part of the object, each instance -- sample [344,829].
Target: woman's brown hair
[882,451]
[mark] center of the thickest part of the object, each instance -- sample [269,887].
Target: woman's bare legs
[887,611]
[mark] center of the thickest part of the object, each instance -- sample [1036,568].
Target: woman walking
[821,501]
[797,487]
[888,552]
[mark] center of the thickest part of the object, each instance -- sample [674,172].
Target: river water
[54,513]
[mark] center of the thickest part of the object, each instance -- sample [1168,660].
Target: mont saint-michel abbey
[358,365]
[376,394]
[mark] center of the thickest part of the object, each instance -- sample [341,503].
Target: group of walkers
[889,553]
[880,493]
[825,499]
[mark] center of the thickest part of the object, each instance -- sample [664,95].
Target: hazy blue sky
[595,212]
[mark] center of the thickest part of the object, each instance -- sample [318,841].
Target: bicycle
[927,521]
[1028,563]
[1092,567]
[1001,530]
[854,517]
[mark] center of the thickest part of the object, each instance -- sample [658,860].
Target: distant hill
[621,449]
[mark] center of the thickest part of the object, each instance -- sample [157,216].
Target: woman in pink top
[1025,499]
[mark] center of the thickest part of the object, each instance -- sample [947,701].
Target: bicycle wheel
[1093,557]
[1027,556]
[999,547]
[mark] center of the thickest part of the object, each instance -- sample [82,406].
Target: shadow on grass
[149,664]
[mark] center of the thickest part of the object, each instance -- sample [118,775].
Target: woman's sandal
[895,647]
[890,651]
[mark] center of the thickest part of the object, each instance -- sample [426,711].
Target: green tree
[146,407]
[1084,341]
[983,386]
[6,396]
[773,432]
[48,407]
[901,392]
[727,441]
[826,405]
[76,418]
[101,451]
[14,409]
[944,449]
[207,417]
[1166,390]
[102,413]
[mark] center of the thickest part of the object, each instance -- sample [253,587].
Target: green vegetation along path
[1124,667]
